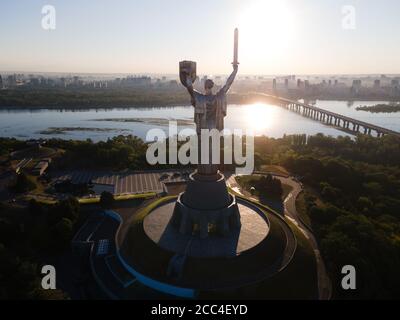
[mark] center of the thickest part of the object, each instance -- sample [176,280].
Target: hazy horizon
[277,37]
[176,74]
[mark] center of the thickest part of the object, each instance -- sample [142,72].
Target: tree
[269,186]
[106,200]
[23,184]
[62,234]
[69,208]
[35,208]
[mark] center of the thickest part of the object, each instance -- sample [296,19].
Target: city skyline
[306,37]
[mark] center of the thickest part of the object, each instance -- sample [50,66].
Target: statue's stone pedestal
[205,207]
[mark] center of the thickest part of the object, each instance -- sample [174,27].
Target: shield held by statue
[187,69]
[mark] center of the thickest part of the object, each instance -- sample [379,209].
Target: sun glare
[266,29]
[259,117]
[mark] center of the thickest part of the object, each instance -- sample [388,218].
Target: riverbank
[85,98]
[380,108]
[58,98]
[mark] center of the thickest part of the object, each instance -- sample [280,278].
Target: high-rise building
[287,83]
[11,80]
[356,86]
[1,82]
[298,83]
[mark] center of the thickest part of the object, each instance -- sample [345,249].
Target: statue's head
[208,85]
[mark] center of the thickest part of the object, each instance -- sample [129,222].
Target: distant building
[274,84]
[300,84]
[11,80]
[355,88]
[34,81]
[377,84]
[135,81]
[1,82]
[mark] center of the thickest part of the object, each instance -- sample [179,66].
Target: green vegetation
[7,145]
[120,152]
[380,108]
[23,183]
[80,98]
[89,98]
[264,186]
[352,200]
[27,237]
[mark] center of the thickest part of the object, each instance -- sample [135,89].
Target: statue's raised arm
[230,79]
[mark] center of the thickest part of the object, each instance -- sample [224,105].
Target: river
[101,124]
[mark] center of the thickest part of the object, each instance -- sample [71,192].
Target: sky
[276,37]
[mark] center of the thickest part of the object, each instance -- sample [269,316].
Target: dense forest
[353,201]
[80,98]
[28,236]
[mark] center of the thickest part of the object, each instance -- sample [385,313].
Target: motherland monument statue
[206,204]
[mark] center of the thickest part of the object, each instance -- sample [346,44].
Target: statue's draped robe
[209,113]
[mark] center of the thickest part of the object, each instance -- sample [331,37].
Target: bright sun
[267,28]
[260,117]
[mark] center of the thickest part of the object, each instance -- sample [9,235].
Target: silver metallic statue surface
[209,108]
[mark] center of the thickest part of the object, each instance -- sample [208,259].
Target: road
[324,284]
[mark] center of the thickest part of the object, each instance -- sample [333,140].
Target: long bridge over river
[347,124]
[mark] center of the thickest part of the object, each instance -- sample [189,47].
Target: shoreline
[181,104]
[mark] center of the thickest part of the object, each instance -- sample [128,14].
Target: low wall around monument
[148,282]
